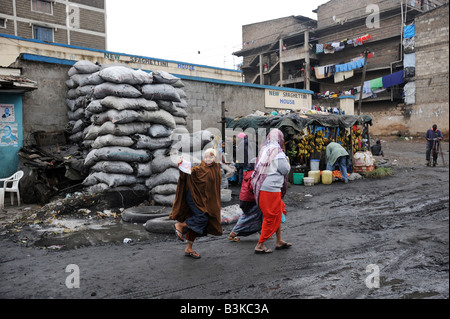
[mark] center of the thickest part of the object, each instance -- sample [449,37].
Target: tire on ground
[161,225]
[141,214]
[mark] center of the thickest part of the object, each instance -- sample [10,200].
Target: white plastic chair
[10,185]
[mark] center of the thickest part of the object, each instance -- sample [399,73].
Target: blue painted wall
[11,133]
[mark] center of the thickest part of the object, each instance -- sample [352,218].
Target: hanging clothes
[319,48]
[341,76]
[376,83]
[366,87]
[409,45]
[350,65]
[395,78]
[409,31]
[325,71]
[328,48]
[410,93]
[319,72]
[409,60]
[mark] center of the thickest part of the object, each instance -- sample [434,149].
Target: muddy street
[382,238]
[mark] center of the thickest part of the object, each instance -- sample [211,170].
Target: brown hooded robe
[204,184]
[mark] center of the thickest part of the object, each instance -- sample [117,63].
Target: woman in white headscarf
[269,183]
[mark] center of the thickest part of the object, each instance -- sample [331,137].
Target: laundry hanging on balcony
[350,65]
[336,46]
[325,71]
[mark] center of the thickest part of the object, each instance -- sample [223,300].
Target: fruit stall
[306,134]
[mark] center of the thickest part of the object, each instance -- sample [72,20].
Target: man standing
[433,137]
[336,154]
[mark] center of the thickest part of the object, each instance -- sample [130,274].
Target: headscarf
[269,152]
[204,184]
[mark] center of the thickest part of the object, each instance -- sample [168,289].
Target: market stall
[305,135]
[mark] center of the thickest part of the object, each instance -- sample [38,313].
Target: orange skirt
[272,208]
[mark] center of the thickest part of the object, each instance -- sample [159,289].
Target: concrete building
[431,73]
[275,52]
[45,109]
[347,30]
[73,22]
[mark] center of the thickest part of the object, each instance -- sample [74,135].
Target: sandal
[234,238]
[192,254]
[284,246]
[263,251]
[178,234]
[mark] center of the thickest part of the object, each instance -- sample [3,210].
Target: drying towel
[409,60]
[366,87]
[319,48]
[393,79]
[341,76]
[409,31]
[325,71]
[350,65]
[376,83]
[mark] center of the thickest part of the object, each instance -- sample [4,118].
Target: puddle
[75,233]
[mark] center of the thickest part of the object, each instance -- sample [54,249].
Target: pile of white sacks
[126,122]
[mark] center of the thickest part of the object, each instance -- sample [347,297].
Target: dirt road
[347,238]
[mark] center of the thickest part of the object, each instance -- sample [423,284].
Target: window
[43,33]
[41,6]
[3,23]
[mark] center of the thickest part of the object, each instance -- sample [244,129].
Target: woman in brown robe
[197,202]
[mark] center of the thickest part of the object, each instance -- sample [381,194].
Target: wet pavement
[398,224]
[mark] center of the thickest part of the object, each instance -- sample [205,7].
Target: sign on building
[279,99]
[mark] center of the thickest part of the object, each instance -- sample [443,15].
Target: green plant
[380,172]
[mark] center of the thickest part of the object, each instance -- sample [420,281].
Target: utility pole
[363,78]
[223,120]
[307,63]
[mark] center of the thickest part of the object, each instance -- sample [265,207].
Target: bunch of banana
[311,143]
[356,140]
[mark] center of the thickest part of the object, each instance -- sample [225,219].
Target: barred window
[41,6]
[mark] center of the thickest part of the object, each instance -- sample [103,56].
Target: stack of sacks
[163,183]
[169,96]
[81,88]
[128,127]
[191,145]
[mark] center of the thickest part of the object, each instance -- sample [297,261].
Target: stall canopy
[293,123]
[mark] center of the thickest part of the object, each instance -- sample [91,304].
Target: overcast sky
[179,29]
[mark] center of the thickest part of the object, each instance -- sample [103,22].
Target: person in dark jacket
[434,138]
[376,149]
[245,150]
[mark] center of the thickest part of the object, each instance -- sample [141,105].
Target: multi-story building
[275,52]
[295,51]
[74,22]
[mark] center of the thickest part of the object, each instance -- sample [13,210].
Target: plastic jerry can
[327,177]
[316,175]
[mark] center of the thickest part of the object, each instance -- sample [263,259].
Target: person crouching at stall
[197,202]
[336,154]
[269,182]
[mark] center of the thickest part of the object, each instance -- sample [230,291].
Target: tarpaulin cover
[293,122]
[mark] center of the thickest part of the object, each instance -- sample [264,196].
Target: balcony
[295,53]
